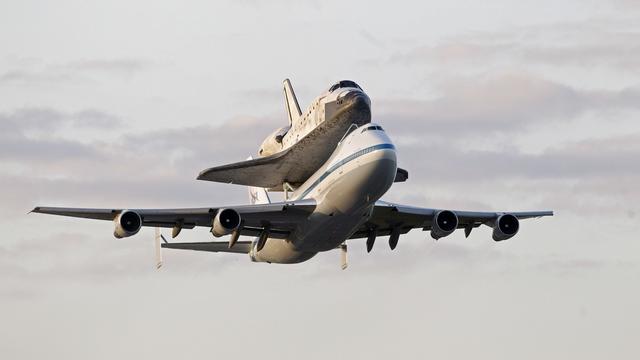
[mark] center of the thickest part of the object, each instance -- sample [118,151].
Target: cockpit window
[372,127]
[344,84]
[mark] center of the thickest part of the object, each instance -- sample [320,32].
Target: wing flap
[240,247]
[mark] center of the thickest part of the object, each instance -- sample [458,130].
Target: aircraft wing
[282,218]
[387,216]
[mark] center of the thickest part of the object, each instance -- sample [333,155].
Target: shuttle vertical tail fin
[291,102]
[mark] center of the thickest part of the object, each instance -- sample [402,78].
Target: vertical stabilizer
[258,195]
[291,102]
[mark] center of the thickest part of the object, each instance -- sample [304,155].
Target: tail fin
[258,195]
[291,102]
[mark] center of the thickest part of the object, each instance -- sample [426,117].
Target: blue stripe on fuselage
[340,163]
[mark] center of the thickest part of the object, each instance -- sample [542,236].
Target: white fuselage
[361,169]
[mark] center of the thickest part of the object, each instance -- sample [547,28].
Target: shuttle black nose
[356,99]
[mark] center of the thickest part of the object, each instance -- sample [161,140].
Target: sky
[493,105]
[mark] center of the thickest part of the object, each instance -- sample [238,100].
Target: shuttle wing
[293,165]
[281,218]
[266,172]
[387,216]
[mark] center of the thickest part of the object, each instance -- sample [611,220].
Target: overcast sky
[494,105]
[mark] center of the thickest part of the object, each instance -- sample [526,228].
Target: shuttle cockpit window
[344,84]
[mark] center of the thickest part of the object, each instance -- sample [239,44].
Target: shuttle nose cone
[356,99]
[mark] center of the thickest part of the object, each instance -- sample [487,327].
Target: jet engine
[505,227]
[225,222]
[444,223]
[127,223]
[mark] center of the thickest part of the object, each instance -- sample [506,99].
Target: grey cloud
[627,4]
[120,66]
[587,178]
[43,118]
[21,149]
[586,159]
[504,103]
[92,258]
[620,57]
[33,77]
[157,167]
[92,118]
[610,45]
[451,52]
[33,134]
[42,73]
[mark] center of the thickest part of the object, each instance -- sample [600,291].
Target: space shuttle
[291,154]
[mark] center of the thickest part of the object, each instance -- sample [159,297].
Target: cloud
[43,164]
[591,159]
[39,72]
[610,45]
[503,103]
[125,67]
[35,134]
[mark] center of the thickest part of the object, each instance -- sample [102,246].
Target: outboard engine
[506,227]
[127,223]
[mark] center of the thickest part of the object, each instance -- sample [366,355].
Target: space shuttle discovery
[291,154]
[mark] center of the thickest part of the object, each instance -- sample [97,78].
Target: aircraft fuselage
[360,170]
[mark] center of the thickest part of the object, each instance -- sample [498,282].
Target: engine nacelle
[445,222]
[505,227]
[225,222]
[127,223]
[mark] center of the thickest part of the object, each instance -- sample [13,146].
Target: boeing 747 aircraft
[336,202]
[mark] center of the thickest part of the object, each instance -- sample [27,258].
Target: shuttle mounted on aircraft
[334,165]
